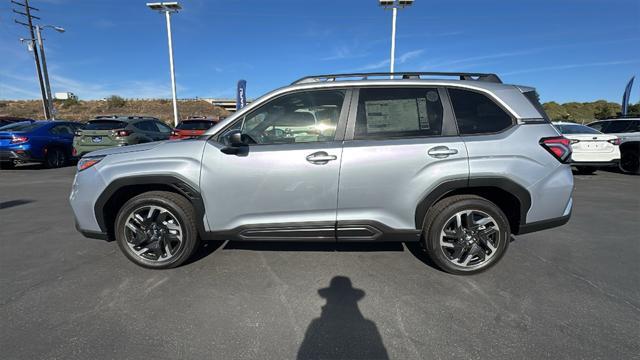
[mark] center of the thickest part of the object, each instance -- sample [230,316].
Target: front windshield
[576,129]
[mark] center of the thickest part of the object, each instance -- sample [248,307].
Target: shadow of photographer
[341,331]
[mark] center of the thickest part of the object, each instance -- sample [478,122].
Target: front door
[400,144]
[285,184]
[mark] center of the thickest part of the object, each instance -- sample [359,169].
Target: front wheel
[630,162]
[465,234]
[157,229]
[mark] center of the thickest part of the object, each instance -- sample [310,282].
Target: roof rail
[405,75]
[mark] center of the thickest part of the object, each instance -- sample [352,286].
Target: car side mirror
[234,142]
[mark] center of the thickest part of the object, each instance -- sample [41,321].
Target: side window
[398,112]
[477,114]
[162,127]
[598,126]
[62,130]
[302,117]
[146,125]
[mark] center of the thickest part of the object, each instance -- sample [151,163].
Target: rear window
[477,114]
[23,126]
[533,97]
[576,129]
[616,126]
[105,125]
[13,126]
[195,125]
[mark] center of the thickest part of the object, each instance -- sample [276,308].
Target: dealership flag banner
[241,96]
[626,96]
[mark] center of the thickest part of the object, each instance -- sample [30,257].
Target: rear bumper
[15,155]
[82,150]
[543,225]
[613,162]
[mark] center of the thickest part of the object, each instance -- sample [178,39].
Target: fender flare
[447,187]
[176,183]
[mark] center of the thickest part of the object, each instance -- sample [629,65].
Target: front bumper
[92,234]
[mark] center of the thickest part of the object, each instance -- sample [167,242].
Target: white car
[591,148]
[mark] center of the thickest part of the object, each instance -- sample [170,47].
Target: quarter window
[477,114]
[398,113]
[301,117]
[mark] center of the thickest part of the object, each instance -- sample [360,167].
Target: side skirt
[347,231]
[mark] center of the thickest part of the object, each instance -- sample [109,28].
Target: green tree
[603,111]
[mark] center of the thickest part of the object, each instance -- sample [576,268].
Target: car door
[146,130]
[62,135]
[400,144]
[163,131]
[284,184]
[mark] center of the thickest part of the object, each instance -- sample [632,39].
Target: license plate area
[96,139]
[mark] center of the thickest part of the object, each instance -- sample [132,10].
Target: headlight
[85,163]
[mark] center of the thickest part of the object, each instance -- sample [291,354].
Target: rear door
[400,144]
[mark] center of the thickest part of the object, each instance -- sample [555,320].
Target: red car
[191,128]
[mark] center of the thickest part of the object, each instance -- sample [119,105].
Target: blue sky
[571,50]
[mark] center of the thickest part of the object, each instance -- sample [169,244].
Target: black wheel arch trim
[176,183]
[447,187]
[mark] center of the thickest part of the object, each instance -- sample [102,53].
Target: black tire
[586,170]
[55,158]
[179,207]
[630,161]
[436,219]
[7,165]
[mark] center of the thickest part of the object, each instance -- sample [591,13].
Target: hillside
[162,109]
[84,110]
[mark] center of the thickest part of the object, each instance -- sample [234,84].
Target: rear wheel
[586,170]
[7,165]
[55,158]
[465,234]
[157,229]
[630,161]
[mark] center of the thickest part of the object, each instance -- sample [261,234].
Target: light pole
[44,64]
[168,8]
[394,5]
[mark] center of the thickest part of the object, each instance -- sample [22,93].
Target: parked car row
[603,143]
[56,143]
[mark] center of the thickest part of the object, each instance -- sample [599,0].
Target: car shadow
[342,331]
[13,203]
[204,249]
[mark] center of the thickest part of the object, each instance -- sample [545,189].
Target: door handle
[320,157]
[440,152]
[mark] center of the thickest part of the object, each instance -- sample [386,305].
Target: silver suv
[457,165]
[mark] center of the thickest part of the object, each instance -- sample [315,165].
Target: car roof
[123,118]
[566,123]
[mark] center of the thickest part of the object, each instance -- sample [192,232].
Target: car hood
[124,149]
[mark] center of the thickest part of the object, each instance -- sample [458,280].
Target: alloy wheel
[470,238]
[153,233]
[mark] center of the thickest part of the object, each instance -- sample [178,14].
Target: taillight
[74,152]
[175,133]
[19,139]
[615,141]
[123,133]
[559,147]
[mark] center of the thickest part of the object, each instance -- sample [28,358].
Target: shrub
[115,101]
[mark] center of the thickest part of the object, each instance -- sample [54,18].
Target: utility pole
[394,5]
[168,8]
[29,24]
[39,29]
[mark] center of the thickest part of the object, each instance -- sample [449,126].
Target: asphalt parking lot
[571,292]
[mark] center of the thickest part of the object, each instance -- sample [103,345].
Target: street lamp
[167,8]
[394,5]
[44,64]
